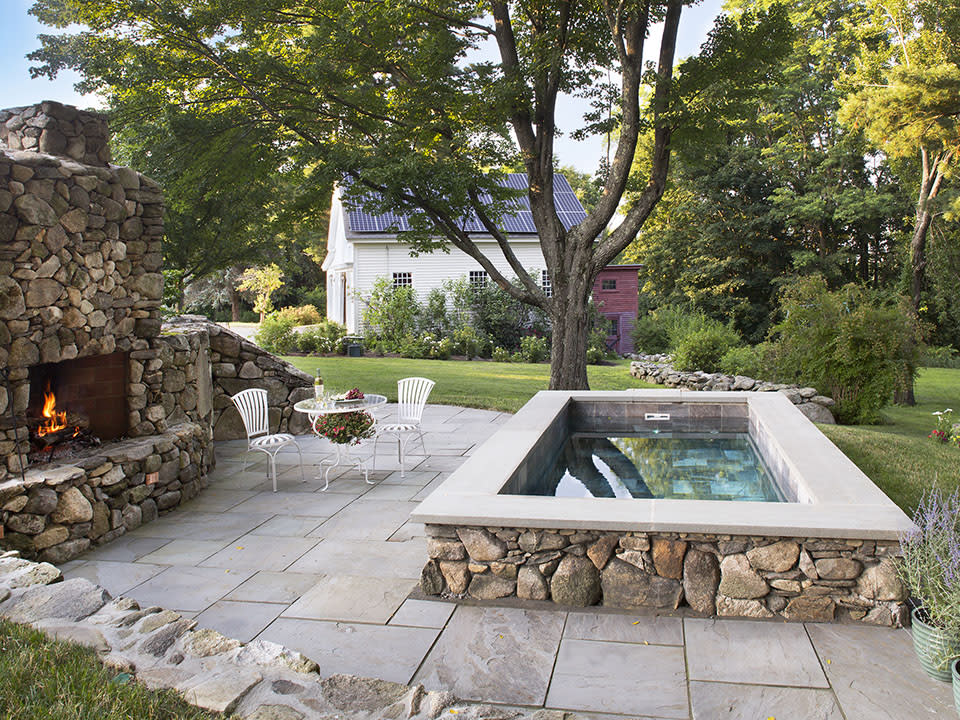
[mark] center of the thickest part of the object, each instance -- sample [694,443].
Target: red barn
[616,293]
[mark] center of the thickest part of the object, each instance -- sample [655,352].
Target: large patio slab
[328,574]
[495,654]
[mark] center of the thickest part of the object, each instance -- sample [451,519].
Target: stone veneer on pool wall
[812,579]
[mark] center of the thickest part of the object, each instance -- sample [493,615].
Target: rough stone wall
[179,375]
[800,579]
[55,129]
[238,364]
[657,369]
[57,512]
[80,275]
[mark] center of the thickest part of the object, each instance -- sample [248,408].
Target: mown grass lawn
[478,383]
[897,456]
[48,680]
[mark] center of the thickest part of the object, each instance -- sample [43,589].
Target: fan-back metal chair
[255,413]
[412,394]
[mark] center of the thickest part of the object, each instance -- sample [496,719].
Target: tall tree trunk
[903,393]
[234,303]
[568,354]
[918,256]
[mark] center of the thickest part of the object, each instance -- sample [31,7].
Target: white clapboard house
[361,248]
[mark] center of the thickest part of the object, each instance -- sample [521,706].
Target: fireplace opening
[76,404]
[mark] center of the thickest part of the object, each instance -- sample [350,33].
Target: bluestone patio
[334,575]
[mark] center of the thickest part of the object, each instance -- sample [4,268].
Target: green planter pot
[930,644]
[955,667]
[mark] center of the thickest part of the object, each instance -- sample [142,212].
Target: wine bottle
[318,387]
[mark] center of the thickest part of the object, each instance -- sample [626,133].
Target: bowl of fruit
[350,398]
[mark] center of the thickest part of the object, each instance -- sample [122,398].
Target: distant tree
[221,187]
[388,93]
[262,282]
[908,102]
[779,186]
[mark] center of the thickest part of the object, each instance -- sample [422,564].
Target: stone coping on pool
[835,499]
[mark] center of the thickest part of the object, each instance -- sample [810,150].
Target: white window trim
[546,284]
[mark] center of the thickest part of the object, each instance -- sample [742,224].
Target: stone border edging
[259,680]
[657,369]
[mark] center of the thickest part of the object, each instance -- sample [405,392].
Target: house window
[546,284]
[402,279]
[478,278]
[608,284]
[613,328]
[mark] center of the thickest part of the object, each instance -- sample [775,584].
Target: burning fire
[56,419]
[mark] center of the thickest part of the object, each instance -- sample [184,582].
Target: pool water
[681,465]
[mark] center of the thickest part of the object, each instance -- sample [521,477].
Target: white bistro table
[315,410]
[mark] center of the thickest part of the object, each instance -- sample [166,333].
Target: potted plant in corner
[931,572]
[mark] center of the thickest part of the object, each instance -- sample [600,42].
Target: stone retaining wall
[259,680]
[657,369]
[800,579]
[57,512]
[238,364]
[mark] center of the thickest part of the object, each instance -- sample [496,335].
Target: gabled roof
[519,221]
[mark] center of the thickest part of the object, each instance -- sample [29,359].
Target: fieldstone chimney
[51,128]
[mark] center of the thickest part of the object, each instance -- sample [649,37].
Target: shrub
[324,338]
[500,354]
[276,334]
[942,357]
[391,313]
[665,328]
[426,347]
[757,361]
[467,341]
[533,349]
[595,355]
[851,344]
[650,336]
[703,348]
[434,317]
[303,315]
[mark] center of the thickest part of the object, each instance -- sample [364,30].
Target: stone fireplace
[80,279]
[107,417]
[81,347]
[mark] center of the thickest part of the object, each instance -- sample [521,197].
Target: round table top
[310,406]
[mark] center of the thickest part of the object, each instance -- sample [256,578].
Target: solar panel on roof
[519,220]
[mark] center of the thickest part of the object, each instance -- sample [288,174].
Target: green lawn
[48,680]
[479,384]
[897,456]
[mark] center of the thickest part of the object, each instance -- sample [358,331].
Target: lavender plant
[931,565]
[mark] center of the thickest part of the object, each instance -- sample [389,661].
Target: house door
[343,298]
[614,332]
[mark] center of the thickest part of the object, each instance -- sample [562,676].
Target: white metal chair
[412,394]
[255,413]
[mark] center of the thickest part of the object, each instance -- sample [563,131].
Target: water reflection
[692,466]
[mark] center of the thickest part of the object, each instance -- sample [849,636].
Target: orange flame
[56,419]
